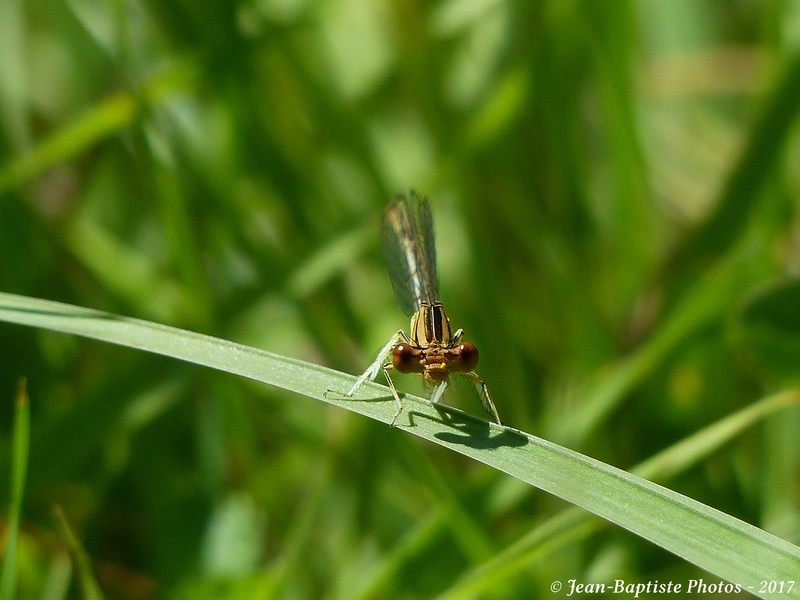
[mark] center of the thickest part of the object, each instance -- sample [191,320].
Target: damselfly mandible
[432,349]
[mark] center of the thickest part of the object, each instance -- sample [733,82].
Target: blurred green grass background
[614,186]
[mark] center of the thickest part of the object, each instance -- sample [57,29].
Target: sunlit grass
[738,552]
[613,188]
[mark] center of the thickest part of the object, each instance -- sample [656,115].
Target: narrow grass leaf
[756,166]
[105,119]
[87,583]
[19,468]
[570,525]
[720,544]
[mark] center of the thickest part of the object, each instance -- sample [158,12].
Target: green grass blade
[105,119]
[689,451]
[720,544]
[406,549]
[109,117]
[756,166]
[89,588]
[19,468]
[701,304]
[572,524]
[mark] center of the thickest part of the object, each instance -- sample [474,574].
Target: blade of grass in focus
[573,524]
[716,542]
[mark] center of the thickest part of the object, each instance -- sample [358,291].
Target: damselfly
[432,349]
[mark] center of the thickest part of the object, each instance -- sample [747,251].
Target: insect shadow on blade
[431,349]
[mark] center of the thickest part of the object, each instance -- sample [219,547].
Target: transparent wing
[410,252]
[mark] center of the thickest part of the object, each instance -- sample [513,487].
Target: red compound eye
[467,356]
[404,359]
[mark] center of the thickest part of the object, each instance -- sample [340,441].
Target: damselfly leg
[432,349]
